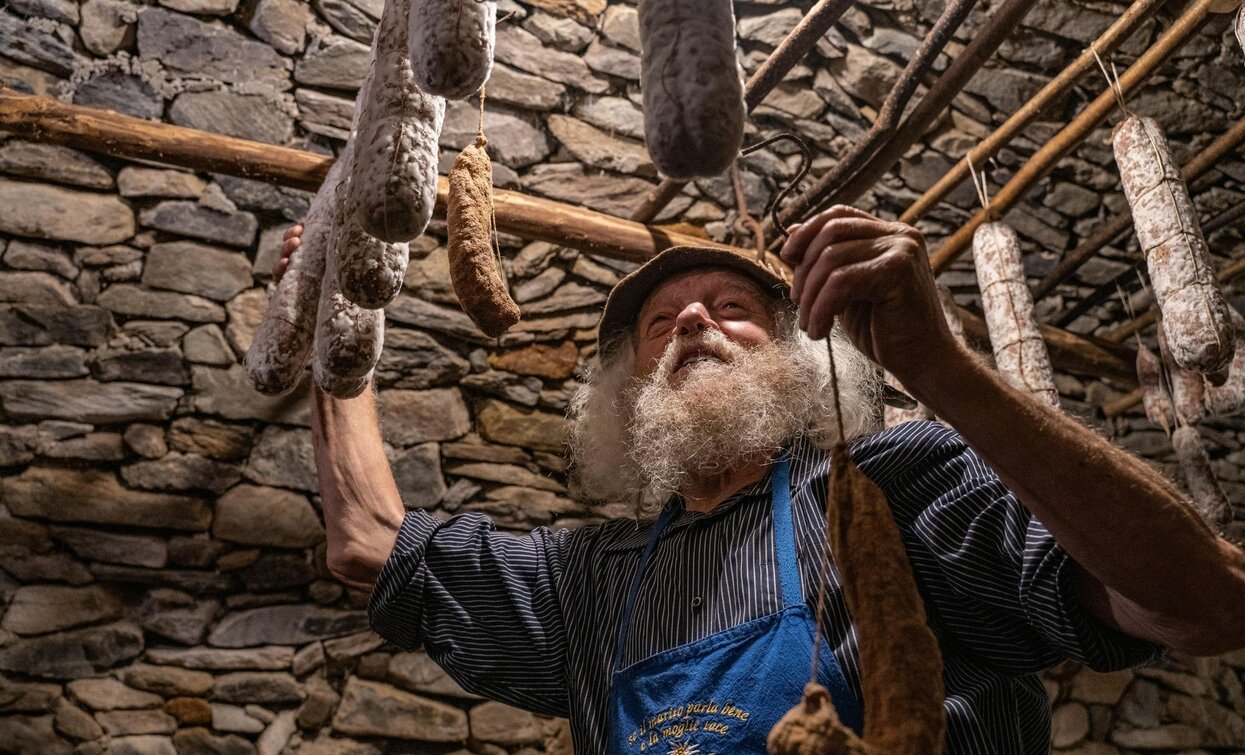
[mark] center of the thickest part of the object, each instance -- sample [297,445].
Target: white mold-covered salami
[1229,398]
[1240,28]
[369,271]
[1186,386]
[1154,396]
[451,45]
[348,337]
[1208,497]
[692,86]
[282,342]
[395,151]
[1019,351]
[1193,307]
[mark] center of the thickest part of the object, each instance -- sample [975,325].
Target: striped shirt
[532,621]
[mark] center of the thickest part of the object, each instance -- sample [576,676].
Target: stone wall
[162,573]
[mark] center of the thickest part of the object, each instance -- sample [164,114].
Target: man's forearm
[1156,570]
[362,507]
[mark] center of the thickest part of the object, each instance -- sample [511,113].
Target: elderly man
[1032,539]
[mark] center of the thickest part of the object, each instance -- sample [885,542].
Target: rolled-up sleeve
[483,603]
[992,571]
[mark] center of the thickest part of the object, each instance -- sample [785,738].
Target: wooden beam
[1115,34]
[1044,160]
[106,132]
[923,116]
[527,216]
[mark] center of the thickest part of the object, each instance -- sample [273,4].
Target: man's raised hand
[291,240]
[874,276]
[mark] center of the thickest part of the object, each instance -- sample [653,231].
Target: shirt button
[696,603]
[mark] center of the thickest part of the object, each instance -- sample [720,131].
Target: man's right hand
[293,237]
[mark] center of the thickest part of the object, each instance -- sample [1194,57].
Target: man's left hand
[875,277]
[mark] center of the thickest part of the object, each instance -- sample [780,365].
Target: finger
[289,245]
[292,231]
[279,267]
[869,282]
[842,230]
[794,247]
[812,278]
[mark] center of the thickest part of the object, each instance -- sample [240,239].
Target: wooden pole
[1075,132]
[1202,162]
[530,217]
[798,43]
[1115,34]
[103,131]
[926,112]
[883,127]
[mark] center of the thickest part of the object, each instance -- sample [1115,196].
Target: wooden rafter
[1045,159]
[1120,30]
[529,217]
[923,116]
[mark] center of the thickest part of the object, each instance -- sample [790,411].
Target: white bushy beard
[640,440]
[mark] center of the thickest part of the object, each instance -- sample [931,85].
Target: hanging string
[981,185]
[823,571]
[745,219]
[1113,80]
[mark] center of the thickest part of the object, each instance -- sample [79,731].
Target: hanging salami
[282,343]
[1019,351]
[1186,386]
[451,45]
[1208,497]
[1154,396]
[1229,398]
[395,152]
[1198,324]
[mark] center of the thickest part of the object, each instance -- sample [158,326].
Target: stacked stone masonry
[163,586]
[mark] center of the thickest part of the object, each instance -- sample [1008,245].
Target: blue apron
[722,694]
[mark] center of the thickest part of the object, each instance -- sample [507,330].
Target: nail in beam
[48,120]
[1044,160]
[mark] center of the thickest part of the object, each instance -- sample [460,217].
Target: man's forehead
[701,281]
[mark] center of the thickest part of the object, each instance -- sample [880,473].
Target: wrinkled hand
[293,237]
[875,277]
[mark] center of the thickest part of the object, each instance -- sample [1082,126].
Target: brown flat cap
[628,297]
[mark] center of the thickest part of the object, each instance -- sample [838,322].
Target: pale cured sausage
[1199,328]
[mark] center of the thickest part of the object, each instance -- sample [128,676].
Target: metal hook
[806,162]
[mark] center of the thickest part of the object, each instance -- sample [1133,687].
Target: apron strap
[784,547]
[784,534]
[654,535]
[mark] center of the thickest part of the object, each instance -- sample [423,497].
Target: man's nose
[694,319]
